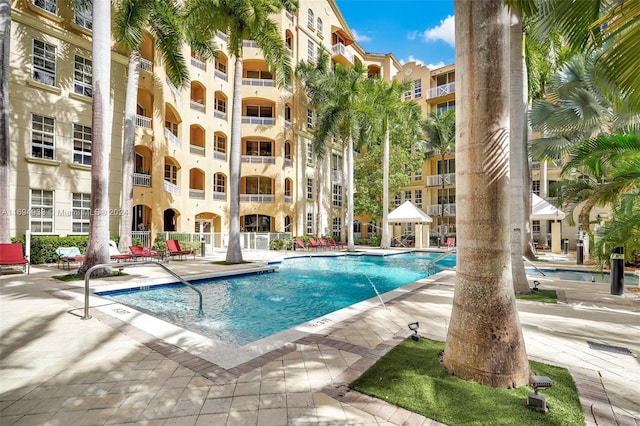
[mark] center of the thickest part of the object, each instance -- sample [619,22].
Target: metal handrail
[534,266]
[432,262]
[87,277]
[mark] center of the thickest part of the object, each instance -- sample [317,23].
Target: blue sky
[413,30]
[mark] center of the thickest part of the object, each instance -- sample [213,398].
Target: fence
[248,240]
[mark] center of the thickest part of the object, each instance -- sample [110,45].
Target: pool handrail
[534,266]
[432,262]
[87,278]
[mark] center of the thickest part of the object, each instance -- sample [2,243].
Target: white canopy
[409,213]
[541,210]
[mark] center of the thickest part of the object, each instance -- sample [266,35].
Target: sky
[413,30]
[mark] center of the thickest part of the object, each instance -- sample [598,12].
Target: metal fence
[248,240]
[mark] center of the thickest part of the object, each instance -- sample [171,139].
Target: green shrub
[43,248]
[281,244]
[375,240]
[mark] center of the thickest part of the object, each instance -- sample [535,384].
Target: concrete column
[555,238]
[418,234]
[425,232]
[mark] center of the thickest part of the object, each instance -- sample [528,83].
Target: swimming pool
[573,275]
[242,309]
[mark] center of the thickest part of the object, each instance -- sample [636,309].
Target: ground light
[534,399]
[414,327]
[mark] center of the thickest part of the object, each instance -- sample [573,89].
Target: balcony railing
[288,162]
[257,198]
[262,82]
[258,159]
[195,149]
[172,87]
[435,180]
[196,193]
[145,65]
[219,155]
[171,188]
[197,106]
[287,124]
[341,49]
[442,90]
[141,179]
[142,121]
[436,209]
[221,75]
[249,43]
[198,63]
[262,121]
[219,196]
[171,137]
[288,15]
[222,36]
[288,199]
[220,114]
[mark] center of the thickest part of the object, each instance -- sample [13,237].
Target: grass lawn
[76,277]
[224,262]
[411,376]
[546,296]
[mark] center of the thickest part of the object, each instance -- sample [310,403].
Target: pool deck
[57,369]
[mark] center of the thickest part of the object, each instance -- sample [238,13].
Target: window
[309,223]
[443,106]
[221,105]
[309,153]
[417,175]
[48,5]
[259,148]
[84,18]
[82,76]
[447,196]
[417,88]
[336,163]
[310,18]
[309,189]
[336,228]
[42,136]
[172,127]
[535,226]
[258,185]
[44,63]
[309,119]
[397,199]
[311,48]
[287,113]
[287,150]
[81,144]
[259,111]
[171,173]
[407,95]
[81,208]
[319,26]
[535,187]
[407,195]
[220,144]
[219,183]
[221,66]
[262,75]
[449,166]
[337,195]
[287,187]
[418,198]
[41,211]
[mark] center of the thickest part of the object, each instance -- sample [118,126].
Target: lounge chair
[323,243]
[333,243]
[143,252]
[313,243]
[66,255]
[173,246]
[451,242]
[300,243]
[11,254]
[116,255]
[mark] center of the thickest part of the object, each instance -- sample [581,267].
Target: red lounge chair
[174,249]
[299,243]
[115,254]
[142,252]
[66,255]
[451,242]
[12,254]
[313,243]
[323,243]
[333,243]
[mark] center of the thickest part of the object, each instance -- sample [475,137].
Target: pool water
[588,276]
[242,309]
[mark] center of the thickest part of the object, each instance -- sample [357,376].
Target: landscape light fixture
[536,283]
[414,327]
[534,399]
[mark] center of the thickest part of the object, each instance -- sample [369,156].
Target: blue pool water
[243,309]
[588,276]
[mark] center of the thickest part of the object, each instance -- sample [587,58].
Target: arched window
[310,18]
[319,26]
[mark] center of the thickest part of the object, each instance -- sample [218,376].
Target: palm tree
[484,340]
[5,41]
[242,19]
[98,244]
[343,117]
[440,129]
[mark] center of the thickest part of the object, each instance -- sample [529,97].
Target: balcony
[195,149]
[171,188]
[220,155]
[288,162]
[145,65]
[261,121]
[142,121]
[257,198]
[288,199]
[171,137]
[141,179]
[287,124]
[250,43]
[288,15]
[197,106]
[342,54]
[261,82]
[220,114]
[222,36]
[172,87]
[219,196]
[443,90]
[435,180]
[436,209]
[221,75]
[196,193]
[258,159]
[198,64]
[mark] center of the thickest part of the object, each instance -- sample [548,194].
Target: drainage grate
[609,348]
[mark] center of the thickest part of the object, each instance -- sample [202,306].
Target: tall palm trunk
[98,245]
[385,241]
[320,196]
[128,150]
[350,187]
[234,251]
[518,163]
[484,339]
[5,162]
[442,206]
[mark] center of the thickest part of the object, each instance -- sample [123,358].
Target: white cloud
[436,66]
[445,32]
[360,38]
[421,62]
[412,35]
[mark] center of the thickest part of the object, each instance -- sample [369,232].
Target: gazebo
[409,213]
[541,210]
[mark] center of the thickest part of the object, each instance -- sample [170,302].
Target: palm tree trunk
[484,340]
[320,196]
[442,206]
[350,243]
[518,162]
[5,162]
[98,245]
[234,251]
[128,150]
[385,241]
